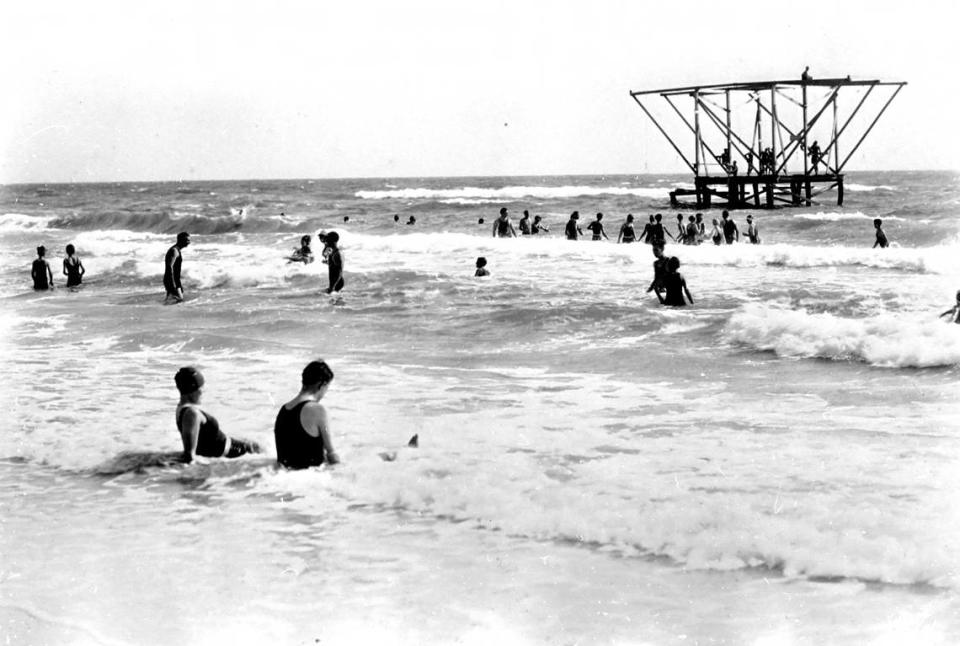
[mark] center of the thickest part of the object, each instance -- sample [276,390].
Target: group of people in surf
[692,232]
[301,430]
[42,275]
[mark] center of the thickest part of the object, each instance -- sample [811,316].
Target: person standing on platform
[881,236]
[627,233]
[730,231]
[805,76]
[171,269]
[572,230]
[597,227]
[502,227]
[40,271]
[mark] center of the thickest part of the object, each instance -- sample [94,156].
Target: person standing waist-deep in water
[302,431]
[40,271]
[730,231]
[597,227]
[674,285]
[753,231]
[334,262]
[881,236]
[659,270]
[73,267]
[524,223]
[171,269]
[199,430]
[572,230]
[502,227]
[627,233]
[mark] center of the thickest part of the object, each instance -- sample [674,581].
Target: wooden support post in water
[769,189]
[839,190]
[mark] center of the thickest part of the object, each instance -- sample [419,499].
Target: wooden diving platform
[756,191]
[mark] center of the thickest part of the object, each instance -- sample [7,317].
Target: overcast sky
[221,90]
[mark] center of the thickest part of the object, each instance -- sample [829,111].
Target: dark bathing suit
[296,449]
[40,269]
[629,235]
[673,284]
[335,267]
[571,230]
[211,441]
[728,230]
[73,272]
[171,281]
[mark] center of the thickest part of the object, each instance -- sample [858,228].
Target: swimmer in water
[674,286]
[716,235]
[572,229]
[627,233]
[482,267]
[304,254]
[537,226]
[40,271]
[753,231]
[597,228]
[334,262]
[302,430]
[881,236]
[73,267]
[954,311]
[659,270]
[171,269]
[199,430]
[502,227]
[524,224]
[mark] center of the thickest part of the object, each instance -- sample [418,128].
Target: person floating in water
[171,269]
[659,270]
[199,430]
[674,286]
[482,267]
[502,227]
[302,430]
[954,311]
[334,262]
[524,224]
[753,231]
[537,226]
[881,236]
[572,230]
[627,233]
[730,231]
[73,267]
[40,271]
[304,254]
[596,227]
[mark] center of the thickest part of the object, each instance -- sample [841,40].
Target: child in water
[481,267]
[881,237]
[304,254]
[40,271]
[674,286]
[954,311]
[72,267]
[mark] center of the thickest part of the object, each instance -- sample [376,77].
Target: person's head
[536,218]
[316,376]
[716,221]
[183,239]
[346,218]
[41,251]
[651,219]
[481,262]
[749,219]
[503,212]
[725,214]
[396,218]
[958,295]
[699,217]
[679,217]
[692,219]
[322,237]
[658,217]
[332,239]
[71,250]
[189,381]
[480,221]
[412,220]
[526,214]
[599,216]
[658,250]
[877,222]
[305,241]
[673,264]
[575,215]
[629,217]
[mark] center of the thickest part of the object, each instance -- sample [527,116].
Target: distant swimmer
[302,430]
[502,227]
[716,235]
[199,430]
[674,286]
[658,234]
[412,220]
[596,227]
[753,231]
[731,233]
[954,311]
[627,233]
[701,228]
[881,236]
[659,270]
[646,234]
[681,229]
[572,230]
[334,262]
[303,254]
[480,221]
[537,226]
[73,267]
[171,269]
[524,224]
[692,234]
[396,219]
[40,271]
[481,267]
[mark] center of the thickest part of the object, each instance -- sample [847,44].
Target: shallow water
[777,464]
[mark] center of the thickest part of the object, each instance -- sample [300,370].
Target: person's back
[674,285]
[40,271]
[525,224]
[73,267]
[730,232]
[572,229]
[296,448]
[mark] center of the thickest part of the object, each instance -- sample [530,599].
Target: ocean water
[777,464]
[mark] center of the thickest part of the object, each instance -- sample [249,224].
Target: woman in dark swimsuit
[200,430]
[73,267]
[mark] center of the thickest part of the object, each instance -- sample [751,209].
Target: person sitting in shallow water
[954,311]
[304,254]
[301,430]
[199,430]
[482,267]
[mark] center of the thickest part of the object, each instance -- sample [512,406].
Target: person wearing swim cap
[302,430]
[171,269]
[334,262]
[199,430]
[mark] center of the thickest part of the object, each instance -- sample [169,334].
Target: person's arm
[495,228]
[620,237]
[513,232]
[686,291]
[49,273]
[65,267]
[318,420]
[949,311]
[736,232]
[604,232]
[81,267]
[876,242]
[189,432]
